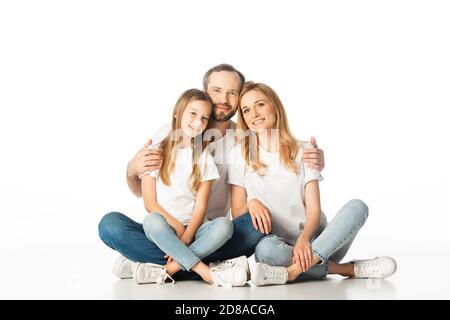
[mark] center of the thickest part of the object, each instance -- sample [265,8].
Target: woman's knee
[154,223]
[271,252]
[359,209]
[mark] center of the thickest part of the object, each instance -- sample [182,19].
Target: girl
[266,169]
[176,198]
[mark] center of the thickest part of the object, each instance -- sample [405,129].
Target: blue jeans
[126,236]
[331,242]
[210,236]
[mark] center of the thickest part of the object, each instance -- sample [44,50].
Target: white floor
[55,270]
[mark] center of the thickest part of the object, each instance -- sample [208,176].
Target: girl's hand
[178,227]
[169,259]
[186,239]
[261,217]
[303,254]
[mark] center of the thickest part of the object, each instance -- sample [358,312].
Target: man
[223,84]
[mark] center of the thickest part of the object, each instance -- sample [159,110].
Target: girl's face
[195,117]
[258,110]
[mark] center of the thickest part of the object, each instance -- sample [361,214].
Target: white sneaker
[379,267]
[151,273]
[239,261]
[124,268]
[263,274]
[235,276]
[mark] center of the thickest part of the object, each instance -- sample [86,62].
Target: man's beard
[222,117]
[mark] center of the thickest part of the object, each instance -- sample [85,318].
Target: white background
[83,84]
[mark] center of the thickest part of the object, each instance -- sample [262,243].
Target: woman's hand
[261,217]
[303,253]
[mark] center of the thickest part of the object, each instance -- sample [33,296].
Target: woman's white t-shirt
[280,189]
[178,198]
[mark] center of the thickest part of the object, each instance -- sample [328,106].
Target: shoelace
[159,274]
[166,276]
[224,264]
[274,274]
[368,267]
[220,277]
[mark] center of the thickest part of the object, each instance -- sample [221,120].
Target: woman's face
[258,110]
[195,117]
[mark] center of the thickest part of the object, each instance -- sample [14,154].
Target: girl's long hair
[169,145]
[288,146]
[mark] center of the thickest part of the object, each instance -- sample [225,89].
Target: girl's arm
[148,185]
[201,204]
[302,251]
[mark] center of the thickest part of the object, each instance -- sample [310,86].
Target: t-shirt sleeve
[235,168]
[161,134]
[157,138]
[310,174]
[209,168]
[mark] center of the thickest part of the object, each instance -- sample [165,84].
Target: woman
[266,168]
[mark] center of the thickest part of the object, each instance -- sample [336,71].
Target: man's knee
[244,226]
[110,227]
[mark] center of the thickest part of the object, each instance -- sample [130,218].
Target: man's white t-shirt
[280,189]
[178,198]
[219,198]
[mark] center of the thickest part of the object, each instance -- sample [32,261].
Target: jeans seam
[181,265]
[344,240]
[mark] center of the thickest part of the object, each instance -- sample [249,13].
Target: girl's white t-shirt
[280,189]
[219,197]
[178,198]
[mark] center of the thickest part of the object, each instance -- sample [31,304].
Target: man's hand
[314,158]
[261,217]
[144,160]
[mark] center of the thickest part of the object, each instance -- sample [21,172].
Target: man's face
[223,88]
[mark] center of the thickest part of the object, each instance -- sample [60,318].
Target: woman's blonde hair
[288,146]
[169,145]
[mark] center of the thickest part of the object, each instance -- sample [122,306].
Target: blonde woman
[266,168]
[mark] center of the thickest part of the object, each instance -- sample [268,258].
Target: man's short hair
[222,67]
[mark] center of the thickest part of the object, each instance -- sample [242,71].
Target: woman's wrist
[304,237]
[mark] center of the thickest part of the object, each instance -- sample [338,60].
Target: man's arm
[144,160]
[314,157]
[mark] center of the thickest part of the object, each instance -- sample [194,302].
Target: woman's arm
[261,217]
[201,204]
[313,210]
[148,185]
[302,250]
[238,201]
